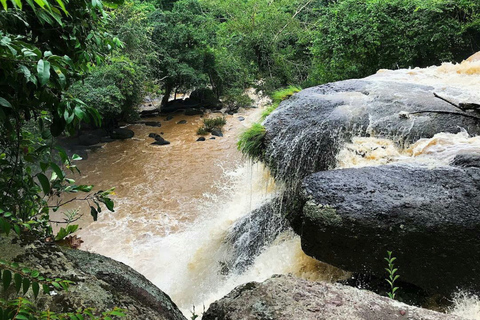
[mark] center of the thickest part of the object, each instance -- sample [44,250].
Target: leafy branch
[392,276]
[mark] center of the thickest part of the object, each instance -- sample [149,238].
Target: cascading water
[194,218]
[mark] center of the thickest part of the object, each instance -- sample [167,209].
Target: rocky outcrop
[429,218]
[351,217]
[100,282]
[306,132]
[287,298]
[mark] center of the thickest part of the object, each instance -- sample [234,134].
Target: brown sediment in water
[158,188]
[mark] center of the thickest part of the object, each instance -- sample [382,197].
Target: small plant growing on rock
[392,276]
[210,124]
[251,142]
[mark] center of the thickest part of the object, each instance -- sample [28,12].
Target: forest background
[63,63]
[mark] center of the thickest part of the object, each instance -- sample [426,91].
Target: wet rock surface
[313,124]
[287,298]
[100,282]
[429,218]
[251,234]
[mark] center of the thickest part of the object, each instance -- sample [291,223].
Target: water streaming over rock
[194,217]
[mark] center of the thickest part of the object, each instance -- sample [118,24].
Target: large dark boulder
[88,139]
[121,133]
[206,98]
[429,218]
[306,131]
[288,298]
[100,282]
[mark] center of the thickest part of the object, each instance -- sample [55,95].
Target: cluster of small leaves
[25,278]
[22,309]
[392,276]
[42,191]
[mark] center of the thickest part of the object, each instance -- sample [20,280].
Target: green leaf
[84,188]
[62,5]
[46,289]
[6,279]
[5,226]
[26,285]
[79,113]
[56,285]
[94,213]
[76,157]
[5,103]
[4,4]
[35,289]
[18,3]
[61,77]
[43,71]
[57,170]
[117,313]
[109,204]
[18,282]
[44,182]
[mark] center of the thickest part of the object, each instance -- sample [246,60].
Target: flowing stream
[177,206]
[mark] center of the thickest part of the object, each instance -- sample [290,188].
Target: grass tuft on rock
[251,142]
[278,96]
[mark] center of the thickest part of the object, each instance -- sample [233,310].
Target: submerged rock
[100,282]
[217,132]
[286,298]
[429,218]
[152,123]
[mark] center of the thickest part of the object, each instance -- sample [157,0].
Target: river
[176,205]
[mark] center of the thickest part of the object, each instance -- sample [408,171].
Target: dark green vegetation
[211,124]
[44,48]
[251,142]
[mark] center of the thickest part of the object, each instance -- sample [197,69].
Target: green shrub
[210,124]
[356,38]
[251,142]
[236,98]
[114,89]
[202,131]
[217,122]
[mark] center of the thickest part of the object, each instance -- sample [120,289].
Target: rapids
[177,205]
